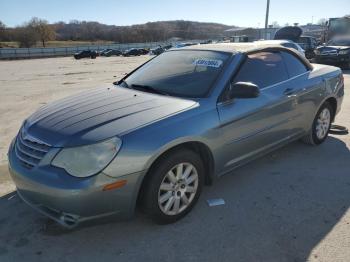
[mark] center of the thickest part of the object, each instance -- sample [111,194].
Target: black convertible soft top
[245,48]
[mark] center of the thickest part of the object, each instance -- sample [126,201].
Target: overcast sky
[126,12]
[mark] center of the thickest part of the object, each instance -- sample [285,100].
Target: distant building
[251,33]
[316,31]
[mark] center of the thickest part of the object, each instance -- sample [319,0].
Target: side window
[294,66]
[263,69]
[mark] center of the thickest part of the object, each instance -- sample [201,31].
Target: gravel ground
[291,205]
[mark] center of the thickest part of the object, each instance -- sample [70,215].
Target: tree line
[39,30]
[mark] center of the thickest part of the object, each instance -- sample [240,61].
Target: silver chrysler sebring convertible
[176,123]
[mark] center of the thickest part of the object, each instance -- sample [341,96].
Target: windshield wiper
[122,82]
[148,88]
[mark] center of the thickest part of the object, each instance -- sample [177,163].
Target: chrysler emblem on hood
[32,139]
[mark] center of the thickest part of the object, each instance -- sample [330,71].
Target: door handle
[289,91]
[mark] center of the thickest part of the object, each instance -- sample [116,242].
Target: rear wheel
[174,186]
[321,125]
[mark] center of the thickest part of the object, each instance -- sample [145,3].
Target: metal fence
[20,53]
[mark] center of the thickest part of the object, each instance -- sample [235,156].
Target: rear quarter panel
[320,84]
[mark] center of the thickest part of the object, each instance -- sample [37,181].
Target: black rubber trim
[338,130]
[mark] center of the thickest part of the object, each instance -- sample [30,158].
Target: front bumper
[70,200]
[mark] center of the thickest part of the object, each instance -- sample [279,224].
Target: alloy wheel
[323,123]
[178,189]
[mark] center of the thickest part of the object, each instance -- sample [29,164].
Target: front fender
[142,147]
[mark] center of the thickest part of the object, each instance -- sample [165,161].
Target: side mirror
[244,90]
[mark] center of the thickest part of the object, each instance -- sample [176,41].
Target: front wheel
[173,186]
[320,126]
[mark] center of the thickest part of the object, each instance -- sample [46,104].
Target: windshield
[339,42]
[184,73]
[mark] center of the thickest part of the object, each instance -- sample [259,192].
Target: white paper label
[208,62]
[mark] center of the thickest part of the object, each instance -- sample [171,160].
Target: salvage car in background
[113,52]
[167,47]
[294,34]
[86,54]
[180,45]
[104,51]
[132,52]
[157,51]
[309,44]
[177,122]
[335,52]
[143,51]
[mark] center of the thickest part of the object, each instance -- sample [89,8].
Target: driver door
[251,126]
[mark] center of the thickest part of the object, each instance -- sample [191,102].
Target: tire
[160,204]
[313,137]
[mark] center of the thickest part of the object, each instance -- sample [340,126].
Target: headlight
[87,160]
[344,52]
[317,52]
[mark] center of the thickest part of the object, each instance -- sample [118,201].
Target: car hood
[332,48]
[99,114]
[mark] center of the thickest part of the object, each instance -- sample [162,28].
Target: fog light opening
[69,221]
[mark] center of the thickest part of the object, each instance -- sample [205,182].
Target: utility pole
[267,17]
[267,14]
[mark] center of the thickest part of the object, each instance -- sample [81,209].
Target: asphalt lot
[291,205]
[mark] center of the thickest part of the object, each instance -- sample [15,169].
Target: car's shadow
[278,208]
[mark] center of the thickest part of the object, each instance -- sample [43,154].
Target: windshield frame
[211,85]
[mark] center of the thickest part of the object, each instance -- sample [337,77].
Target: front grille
[330,53]
[30,151]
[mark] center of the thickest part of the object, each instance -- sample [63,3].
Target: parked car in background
[335,52]
[157,51]
[167,47]
[284,43]
[206,42]
[179,121]
[113,52]
[86,54]
[104,51]
[184,45]
[132,52]
[294,34]
[143,51]
[309,44]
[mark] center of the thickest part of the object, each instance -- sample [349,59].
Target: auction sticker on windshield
[208,62]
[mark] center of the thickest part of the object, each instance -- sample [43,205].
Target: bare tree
[39,30]
[43,30]
[2,31]
[25,36]
[275,24]
[322,21]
